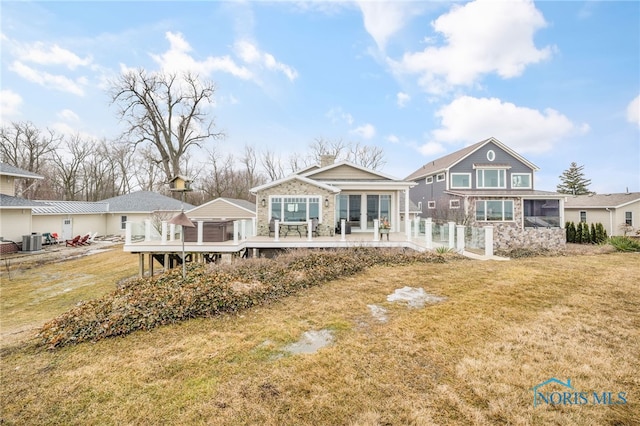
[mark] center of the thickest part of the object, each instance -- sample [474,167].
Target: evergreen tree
[586,235]
[572,181]
[593,238]
[578,238]
[571,232]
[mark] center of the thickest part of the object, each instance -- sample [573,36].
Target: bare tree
[27,147]
[272,165]
[371,157]
[167,112]
[69,166]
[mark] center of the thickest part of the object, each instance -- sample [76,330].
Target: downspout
[610,221]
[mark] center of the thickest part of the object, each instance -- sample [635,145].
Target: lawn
[472,358]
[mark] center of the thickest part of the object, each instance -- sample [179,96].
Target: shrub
[624,243]
[146,303]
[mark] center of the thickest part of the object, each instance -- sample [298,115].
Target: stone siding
[511,235]
[296,188]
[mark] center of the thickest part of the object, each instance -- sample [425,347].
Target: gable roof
[294,177]
[144,201]
[9,202]
[313,174]
[450,160]
[9,170]
[242,204]
[601,200]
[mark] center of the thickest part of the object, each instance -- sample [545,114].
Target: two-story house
[489,184]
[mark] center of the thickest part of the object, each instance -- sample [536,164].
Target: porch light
[326,202]
[263,202]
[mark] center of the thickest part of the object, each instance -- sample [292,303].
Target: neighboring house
[619,213]
[489,184]
[331,192]
[15,212]
[106,217]
[222,209]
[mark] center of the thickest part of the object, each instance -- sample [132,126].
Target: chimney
[327,160]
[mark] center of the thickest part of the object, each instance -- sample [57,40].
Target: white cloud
[68,115]
[393,139]
[383,19]
[366,131]
[431,149]
[178,59]
[402,99]
[633,111]
[10,103]
[337,115]
[43,54]
[250,54]
[468,120]
[51,81]
[481,37]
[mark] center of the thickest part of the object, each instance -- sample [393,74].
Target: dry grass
[471,359]
[39,287]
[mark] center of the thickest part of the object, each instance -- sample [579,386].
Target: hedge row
[585,234]
[146,303]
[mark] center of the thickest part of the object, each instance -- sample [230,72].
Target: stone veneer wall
[297,188]
[511,235]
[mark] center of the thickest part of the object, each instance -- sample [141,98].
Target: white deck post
[254,227]
[309,230]
[127,233]
[235,232]
[343,224]
[428,232]
[460,235]
[164,232]
[172,232]
[376,230]
[200,231]
[243,230]
[277,231]
[416,227]
[147,230]
[488,241]
[452,234]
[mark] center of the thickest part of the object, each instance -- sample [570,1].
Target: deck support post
[141,264]
[428,233]
[460,238]
[151,264]
[452,234]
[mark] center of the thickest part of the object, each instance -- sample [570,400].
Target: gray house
[489,184]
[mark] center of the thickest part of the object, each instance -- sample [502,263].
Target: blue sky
[557,81]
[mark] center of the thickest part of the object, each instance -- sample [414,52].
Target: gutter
[610,221]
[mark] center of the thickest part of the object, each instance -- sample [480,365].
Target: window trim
[522,174]
[491,155]
[513,218]
[454,203]
[460,174]
[431,205]
[429,180]
[585,216]
[284,205]
[123,222]
[628,218]
[498,169]
[440,177]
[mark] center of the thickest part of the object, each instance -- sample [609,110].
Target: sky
[556,81]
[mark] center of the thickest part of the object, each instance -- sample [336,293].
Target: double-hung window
[494,210]
[628,218]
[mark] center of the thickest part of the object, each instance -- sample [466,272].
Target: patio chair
[49,238]
[272,227]
[92,237]
[74,242]
[84,240]
[56,237]
[314,226]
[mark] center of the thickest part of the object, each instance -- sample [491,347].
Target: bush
[624,243]
[146,303]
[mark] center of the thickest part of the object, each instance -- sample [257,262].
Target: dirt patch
[586,249]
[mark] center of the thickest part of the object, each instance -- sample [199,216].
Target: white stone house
[330,193]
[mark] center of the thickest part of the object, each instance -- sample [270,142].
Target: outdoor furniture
[384,231]
[272,227]
[293,226]
[84,241]
[74,242]
[50,238]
